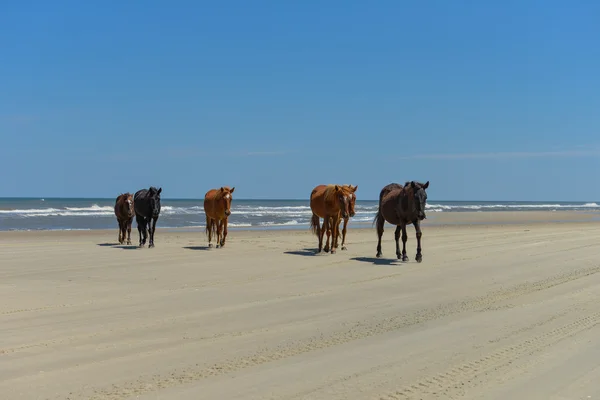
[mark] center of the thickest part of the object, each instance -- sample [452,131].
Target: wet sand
[503,306]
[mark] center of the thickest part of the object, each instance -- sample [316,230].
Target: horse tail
[314,224]
[378,217]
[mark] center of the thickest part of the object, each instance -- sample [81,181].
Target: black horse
[147,210]
[402,205]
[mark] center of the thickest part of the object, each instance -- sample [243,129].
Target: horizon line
[285,199]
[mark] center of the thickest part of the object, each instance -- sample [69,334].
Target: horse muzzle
[352,214]
[227,213]
[422,216]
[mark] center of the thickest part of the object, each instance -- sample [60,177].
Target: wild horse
[402,205]
[351,213]
[217,207]
[124,212]
[147,210]
[330,202]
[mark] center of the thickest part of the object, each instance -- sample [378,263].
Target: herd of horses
[399,205]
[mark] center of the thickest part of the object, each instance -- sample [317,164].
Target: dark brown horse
[351,213]
[331,203]
[124,213]
[217,207]
[402,205]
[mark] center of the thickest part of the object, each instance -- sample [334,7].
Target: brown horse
[124,213]
[351,214]
[217,207]
[402,205]
[329,202]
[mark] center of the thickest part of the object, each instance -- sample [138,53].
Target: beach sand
[503,306]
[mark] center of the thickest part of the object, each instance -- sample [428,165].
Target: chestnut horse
[124,213]
[402,205]
[331,203]
[217,207]
[351,214]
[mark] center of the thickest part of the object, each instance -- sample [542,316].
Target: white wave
[271,208]
[94,207]
[30,211]
[287,223]
[438,206]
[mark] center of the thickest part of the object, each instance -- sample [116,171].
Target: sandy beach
[503,306]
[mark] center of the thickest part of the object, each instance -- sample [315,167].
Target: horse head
[352,196]
[225,197]
[420,198]
[342,198]
[154,200]
[129,205]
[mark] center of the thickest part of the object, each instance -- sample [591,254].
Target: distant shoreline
[434,219]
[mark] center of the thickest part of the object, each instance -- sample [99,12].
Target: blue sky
[486,100]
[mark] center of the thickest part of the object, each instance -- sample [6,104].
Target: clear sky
[487,100]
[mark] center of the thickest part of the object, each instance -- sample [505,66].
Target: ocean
[87,214]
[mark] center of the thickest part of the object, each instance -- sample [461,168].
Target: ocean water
[85,214]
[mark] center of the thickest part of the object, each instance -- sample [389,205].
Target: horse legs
[380,224]
[319,232]
[327,229]
[152,229]
[417,225]
[344,234]
[397,238]
[404,239]
[129,222]
[219,232]
[209,229]
[335,223]
[120,231]
[224,232]
[141,225]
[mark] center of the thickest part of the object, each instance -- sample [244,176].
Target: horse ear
[159,190]
[426,185]
[232,189]
[412,184]
[221,188]
[355,187]
[337,188]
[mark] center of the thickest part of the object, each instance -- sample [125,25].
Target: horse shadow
[303,252]
[197,247]
[118,246]
[377,261]
[128,247]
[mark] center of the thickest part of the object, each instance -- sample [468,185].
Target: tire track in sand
[362,330]
[454,380]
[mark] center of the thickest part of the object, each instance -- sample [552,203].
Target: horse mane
[330,192]
[219,193]
[124,195]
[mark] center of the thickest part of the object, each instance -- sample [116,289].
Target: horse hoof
[405,258]
[218,246]
[129,243]
[419,258]
[332,251]
[344,248]
[210,245]
[378,255]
